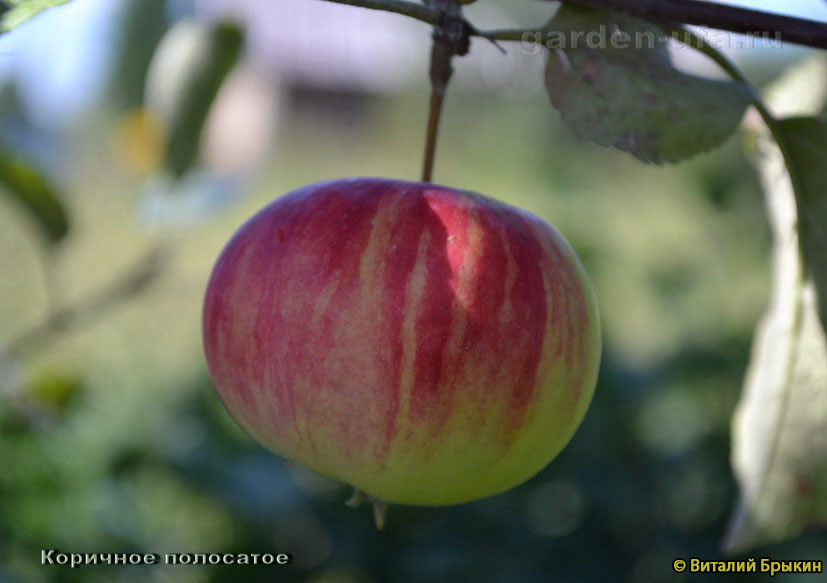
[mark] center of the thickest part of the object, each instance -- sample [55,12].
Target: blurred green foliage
[26,184]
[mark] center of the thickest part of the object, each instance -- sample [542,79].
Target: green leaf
[28,187]
[204,57]
[613,82]
[806,141]
[780,425]
[20,11]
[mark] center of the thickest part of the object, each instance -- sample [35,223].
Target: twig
[772,123]
[86,311]
[698,43]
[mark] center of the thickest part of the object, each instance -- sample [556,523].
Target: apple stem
[451,37]
[435,113]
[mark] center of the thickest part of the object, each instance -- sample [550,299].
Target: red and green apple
[426,345]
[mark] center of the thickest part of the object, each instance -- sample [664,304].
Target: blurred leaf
[30,188]
[22,10]
[141,25]
[55,388]
[611,78]
[780,425]
[801,90]
[204,59]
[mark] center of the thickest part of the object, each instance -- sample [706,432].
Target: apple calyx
[380,507]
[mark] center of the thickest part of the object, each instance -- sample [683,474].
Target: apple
[427,345]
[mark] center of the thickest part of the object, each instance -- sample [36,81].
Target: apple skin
[428,346]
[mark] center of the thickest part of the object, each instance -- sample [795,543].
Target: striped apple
[427,345]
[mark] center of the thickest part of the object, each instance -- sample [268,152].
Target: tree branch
[697,12]
[414,10]
[721,17]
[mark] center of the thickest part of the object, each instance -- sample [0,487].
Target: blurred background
[128,178]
